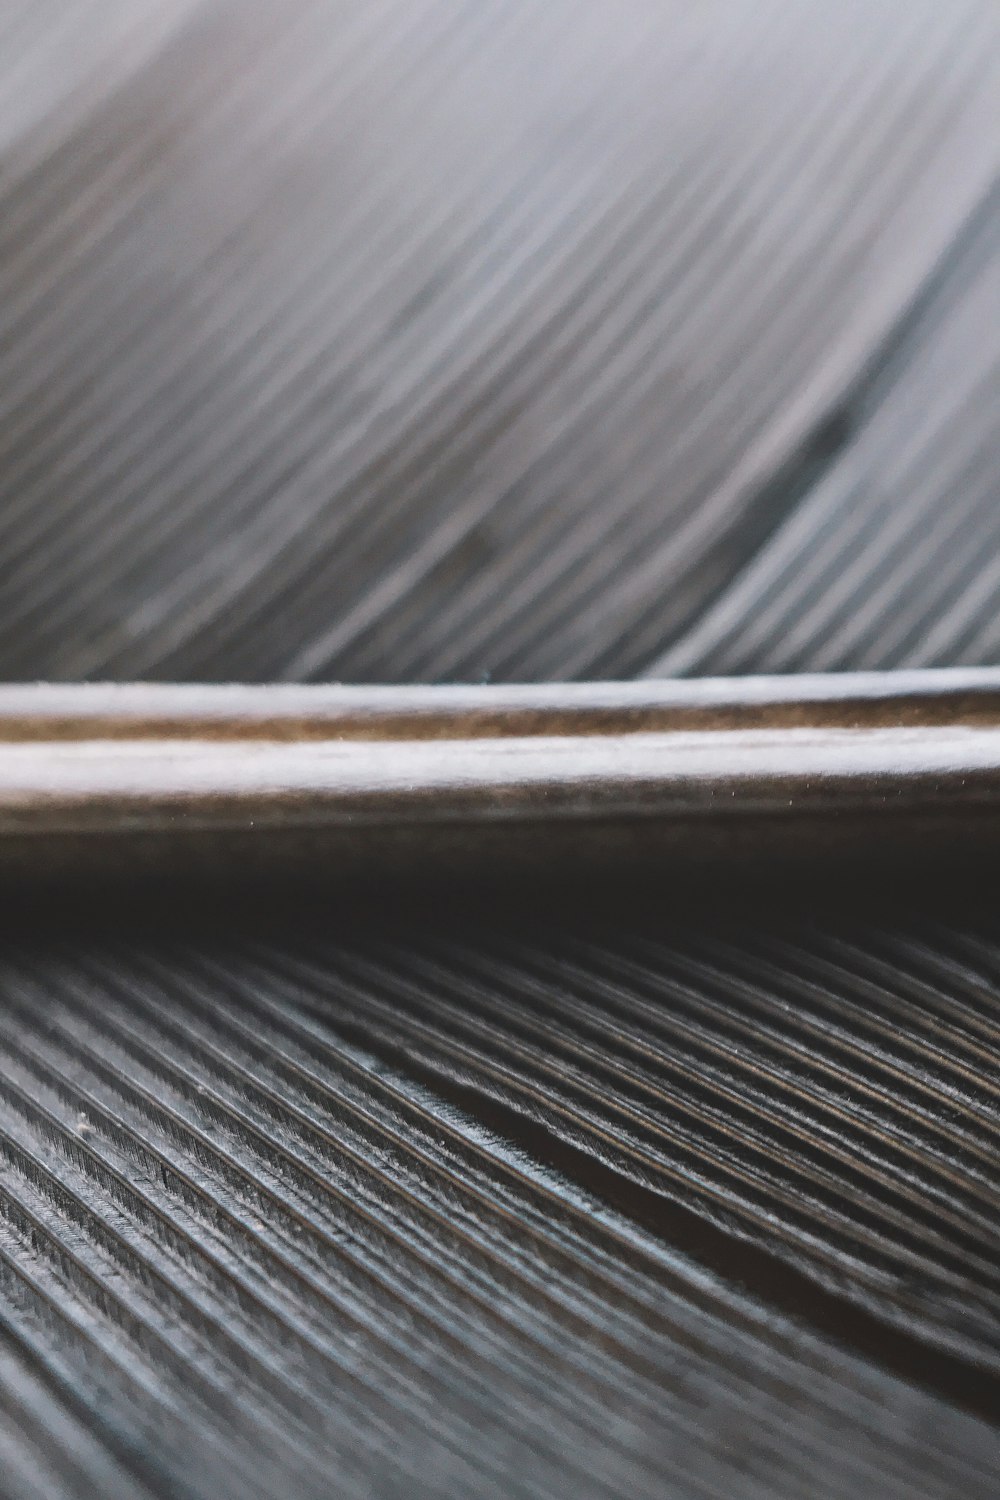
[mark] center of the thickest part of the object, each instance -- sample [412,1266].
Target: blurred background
[421,340]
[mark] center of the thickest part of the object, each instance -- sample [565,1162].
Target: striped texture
[893,557]
[502,1209]
[426,341]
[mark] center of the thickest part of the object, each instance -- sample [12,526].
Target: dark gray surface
[500,1209]
[434,340]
